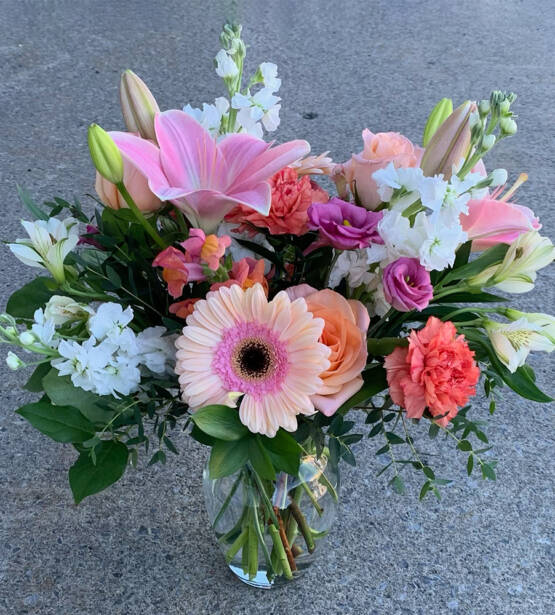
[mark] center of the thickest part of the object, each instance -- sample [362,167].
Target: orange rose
[346,323]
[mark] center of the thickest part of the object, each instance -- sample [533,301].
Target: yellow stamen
[521,179]
[346,223]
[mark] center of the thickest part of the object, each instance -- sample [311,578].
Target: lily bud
[138,105]
[498,177]
[439,114]
[450,144]
[105,154]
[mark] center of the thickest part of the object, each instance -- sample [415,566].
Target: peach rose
[379,150]
[137,185]
[346,324]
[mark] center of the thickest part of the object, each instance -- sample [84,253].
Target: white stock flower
[353,265]
[44,329]
[514,341]
[13,361]
[156,351]
[399,237]
[268,70]
[49,242]
[225,65]
[210,117]
[437,251]
[262,107]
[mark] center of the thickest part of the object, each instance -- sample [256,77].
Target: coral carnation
[291,198]
[237,342]
[436,371]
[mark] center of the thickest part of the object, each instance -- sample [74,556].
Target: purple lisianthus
[343,225]
[407,285]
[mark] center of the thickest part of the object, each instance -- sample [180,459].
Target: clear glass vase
[271,530]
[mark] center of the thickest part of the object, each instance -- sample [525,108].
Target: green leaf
[227,457]
[86,478]
[27,200]
[433,431]
[471,297]
[170,445]
[429,472]
[202,437]
[393,438]
[284,451]
[488,472]
[260,460]
[381,347]
[462,255]
[486,259]
[375,381]
[35,294]
[34,384]
[61,423]
[464,445]
[470,465]
[61,392]
[220,422]
[397,484]
[425,488]
[158,457]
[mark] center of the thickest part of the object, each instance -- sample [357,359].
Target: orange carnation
[437,371]
[291,198]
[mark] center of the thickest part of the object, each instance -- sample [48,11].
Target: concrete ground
[144,547]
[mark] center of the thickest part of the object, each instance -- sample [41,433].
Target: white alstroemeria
[225,65]
[514,341]
[546,322]
[49,242]
[268,70]
[517,273]
[437,251]
[44,329]
[61,309]
[210,117]
[156,350]
[262,107]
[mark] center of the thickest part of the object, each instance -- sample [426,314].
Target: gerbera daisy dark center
[253,359]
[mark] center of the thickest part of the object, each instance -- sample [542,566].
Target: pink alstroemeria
[492,220]
[203,177]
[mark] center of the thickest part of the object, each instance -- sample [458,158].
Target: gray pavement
[144,547]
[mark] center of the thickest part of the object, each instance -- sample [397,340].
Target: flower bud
[138,105]
[498,177]
[504,107]
[13,361]
[484,108]
[26,338]
[225,65]
[450,143]
[508,126]
[439,114]
[488,142]
[105,154]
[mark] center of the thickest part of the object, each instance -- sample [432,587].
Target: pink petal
[240,151]
[257,197]
[270,162]
[205,208]
[145,156]
[328,404]
[188,153]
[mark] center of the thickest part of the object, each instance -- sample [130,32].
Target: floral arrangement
[222,289]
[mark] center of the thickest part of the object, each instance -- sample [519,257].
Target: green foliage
[490,257]
[227,457]
[220,422]
[24,301]
[88,476]
[61,423]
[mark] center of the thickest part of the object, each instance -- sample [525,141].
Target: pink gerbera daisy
[236,342]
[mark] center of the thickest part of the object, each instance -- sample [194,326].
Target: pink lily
[202,177]
[494,220]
